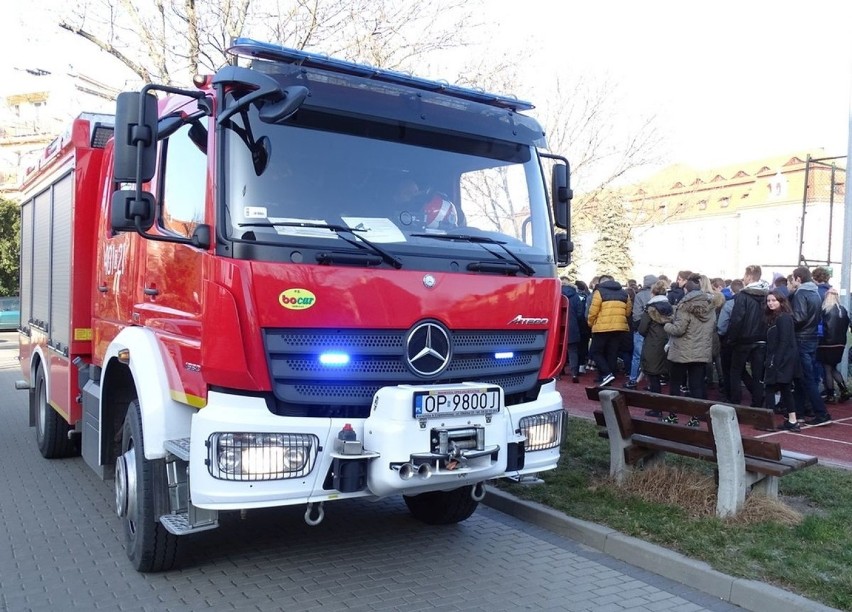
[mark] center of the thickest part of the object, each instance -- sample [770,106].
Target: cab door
[169,293]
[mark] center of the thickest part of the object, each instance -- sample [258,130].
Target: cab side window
[184,184]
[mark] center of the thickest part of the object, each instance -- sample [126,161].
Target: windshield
[401,188]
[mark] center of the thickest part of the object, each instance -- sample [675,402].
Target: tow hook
[478,492]
[320,514]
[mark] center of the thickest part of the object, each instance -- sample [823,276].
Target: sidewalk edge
[748,594]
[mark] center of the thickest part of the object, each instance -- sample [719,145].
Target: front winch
[451,449]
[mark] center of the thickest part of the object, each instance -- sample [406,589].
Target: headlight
[261,456]
[542,431]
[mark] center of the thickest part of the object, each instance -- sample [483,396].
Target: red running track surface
[830,442]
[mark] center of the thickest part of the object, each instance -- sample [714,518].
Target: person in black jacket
[807,312]
[782,360]
[835,322]
[747,336]
[676,291]
[576,318]
[585,297]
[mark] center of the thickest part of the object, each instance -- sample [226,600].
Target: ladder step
[179,448]
[178,524]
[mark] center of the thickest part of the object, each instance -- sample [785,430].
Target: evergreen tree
[10,246]
[611,251]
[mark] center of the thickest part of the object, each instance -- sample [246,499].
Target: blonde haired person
[835,323]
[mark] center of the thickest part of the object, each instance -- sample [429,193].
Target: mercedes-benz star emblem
[428,349]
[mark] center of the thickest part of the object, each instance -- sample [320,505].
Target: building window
[723,202]
[702,205]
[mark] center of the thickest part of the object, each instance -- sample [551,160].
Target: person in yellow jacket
[609,315]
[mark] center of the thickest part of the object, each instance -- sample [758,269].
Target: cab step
[179,524]
[178,447]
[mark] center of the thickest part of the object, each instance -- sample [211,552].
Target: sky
[727,81]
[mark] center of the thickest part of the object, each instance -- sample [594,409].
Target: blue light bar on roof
[247,47]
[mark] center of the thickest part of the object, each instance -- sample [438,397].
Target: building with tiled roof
[719,220]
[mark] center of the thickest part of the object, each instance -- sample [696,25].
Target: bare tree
[583,121]
[168,41]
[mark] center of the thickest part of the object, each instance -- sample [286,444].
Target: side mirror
[273,103]
[564,248]
[561,195]
[275,112]
[131,214]
[135,154]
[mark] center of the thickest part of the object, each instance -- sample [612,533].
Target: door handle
[151,291]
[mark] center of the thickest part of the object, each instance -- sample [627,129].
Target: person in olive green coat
[691,340]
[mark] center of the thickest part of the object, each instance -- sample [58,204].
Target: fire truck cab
[301,281]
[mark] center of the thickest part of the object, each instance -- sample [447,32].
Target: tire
[149,546]
[442,507]
[51,429]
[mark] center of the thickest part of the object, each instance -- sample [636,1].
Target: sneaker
[845,396]
[684,389]
[606,380]
[819,419]
[582,369]
[693,422]
[654,413]
[574,379]
[830,399]
[630,384]
[789,426]
[672,418]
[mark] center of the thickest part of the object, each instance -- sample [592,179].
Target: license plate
[456,402]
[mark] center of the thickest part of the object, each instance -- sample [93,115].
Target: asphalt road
[60,548]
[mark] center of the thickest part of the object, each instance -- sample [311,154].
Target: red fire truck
[302,280]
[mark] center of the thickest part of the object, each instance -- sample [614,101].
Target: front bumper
[401,454]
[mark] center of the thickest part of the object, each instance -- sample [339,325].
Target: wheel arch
[141,375]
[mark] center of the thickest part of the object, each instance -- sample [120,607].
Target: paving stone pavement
[60,548]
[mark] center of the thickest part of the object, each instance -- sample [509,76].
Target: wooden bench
[743,463]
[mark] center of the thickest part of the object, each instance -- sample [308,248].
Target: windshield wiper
[482,241]
[340,230]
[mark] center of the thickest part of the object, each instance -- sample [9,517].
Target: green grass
[813,558]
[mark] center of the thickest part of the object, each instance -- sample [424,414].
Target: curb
[748,594]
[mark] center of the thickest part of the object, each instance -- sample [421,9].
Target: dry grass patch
[695,493]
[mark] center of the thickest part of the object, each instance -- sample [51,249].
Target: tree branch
[138,69]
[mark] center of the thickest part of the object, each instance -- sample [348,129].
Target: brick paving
[60,548]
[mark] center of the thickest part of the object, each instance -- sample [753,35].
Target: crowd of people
[782,341]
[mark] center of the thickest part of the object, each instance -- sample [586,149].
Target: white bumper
[392,437]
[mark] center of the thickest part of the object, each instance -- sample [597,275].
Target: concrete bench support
[618,467]
[730,460]
[734,480]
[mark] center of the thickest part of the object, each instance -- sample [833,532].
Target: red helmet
[440,213]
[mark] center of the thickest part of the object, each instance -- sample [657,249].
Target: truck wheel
[148,545]
[442,507]
[51,429]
